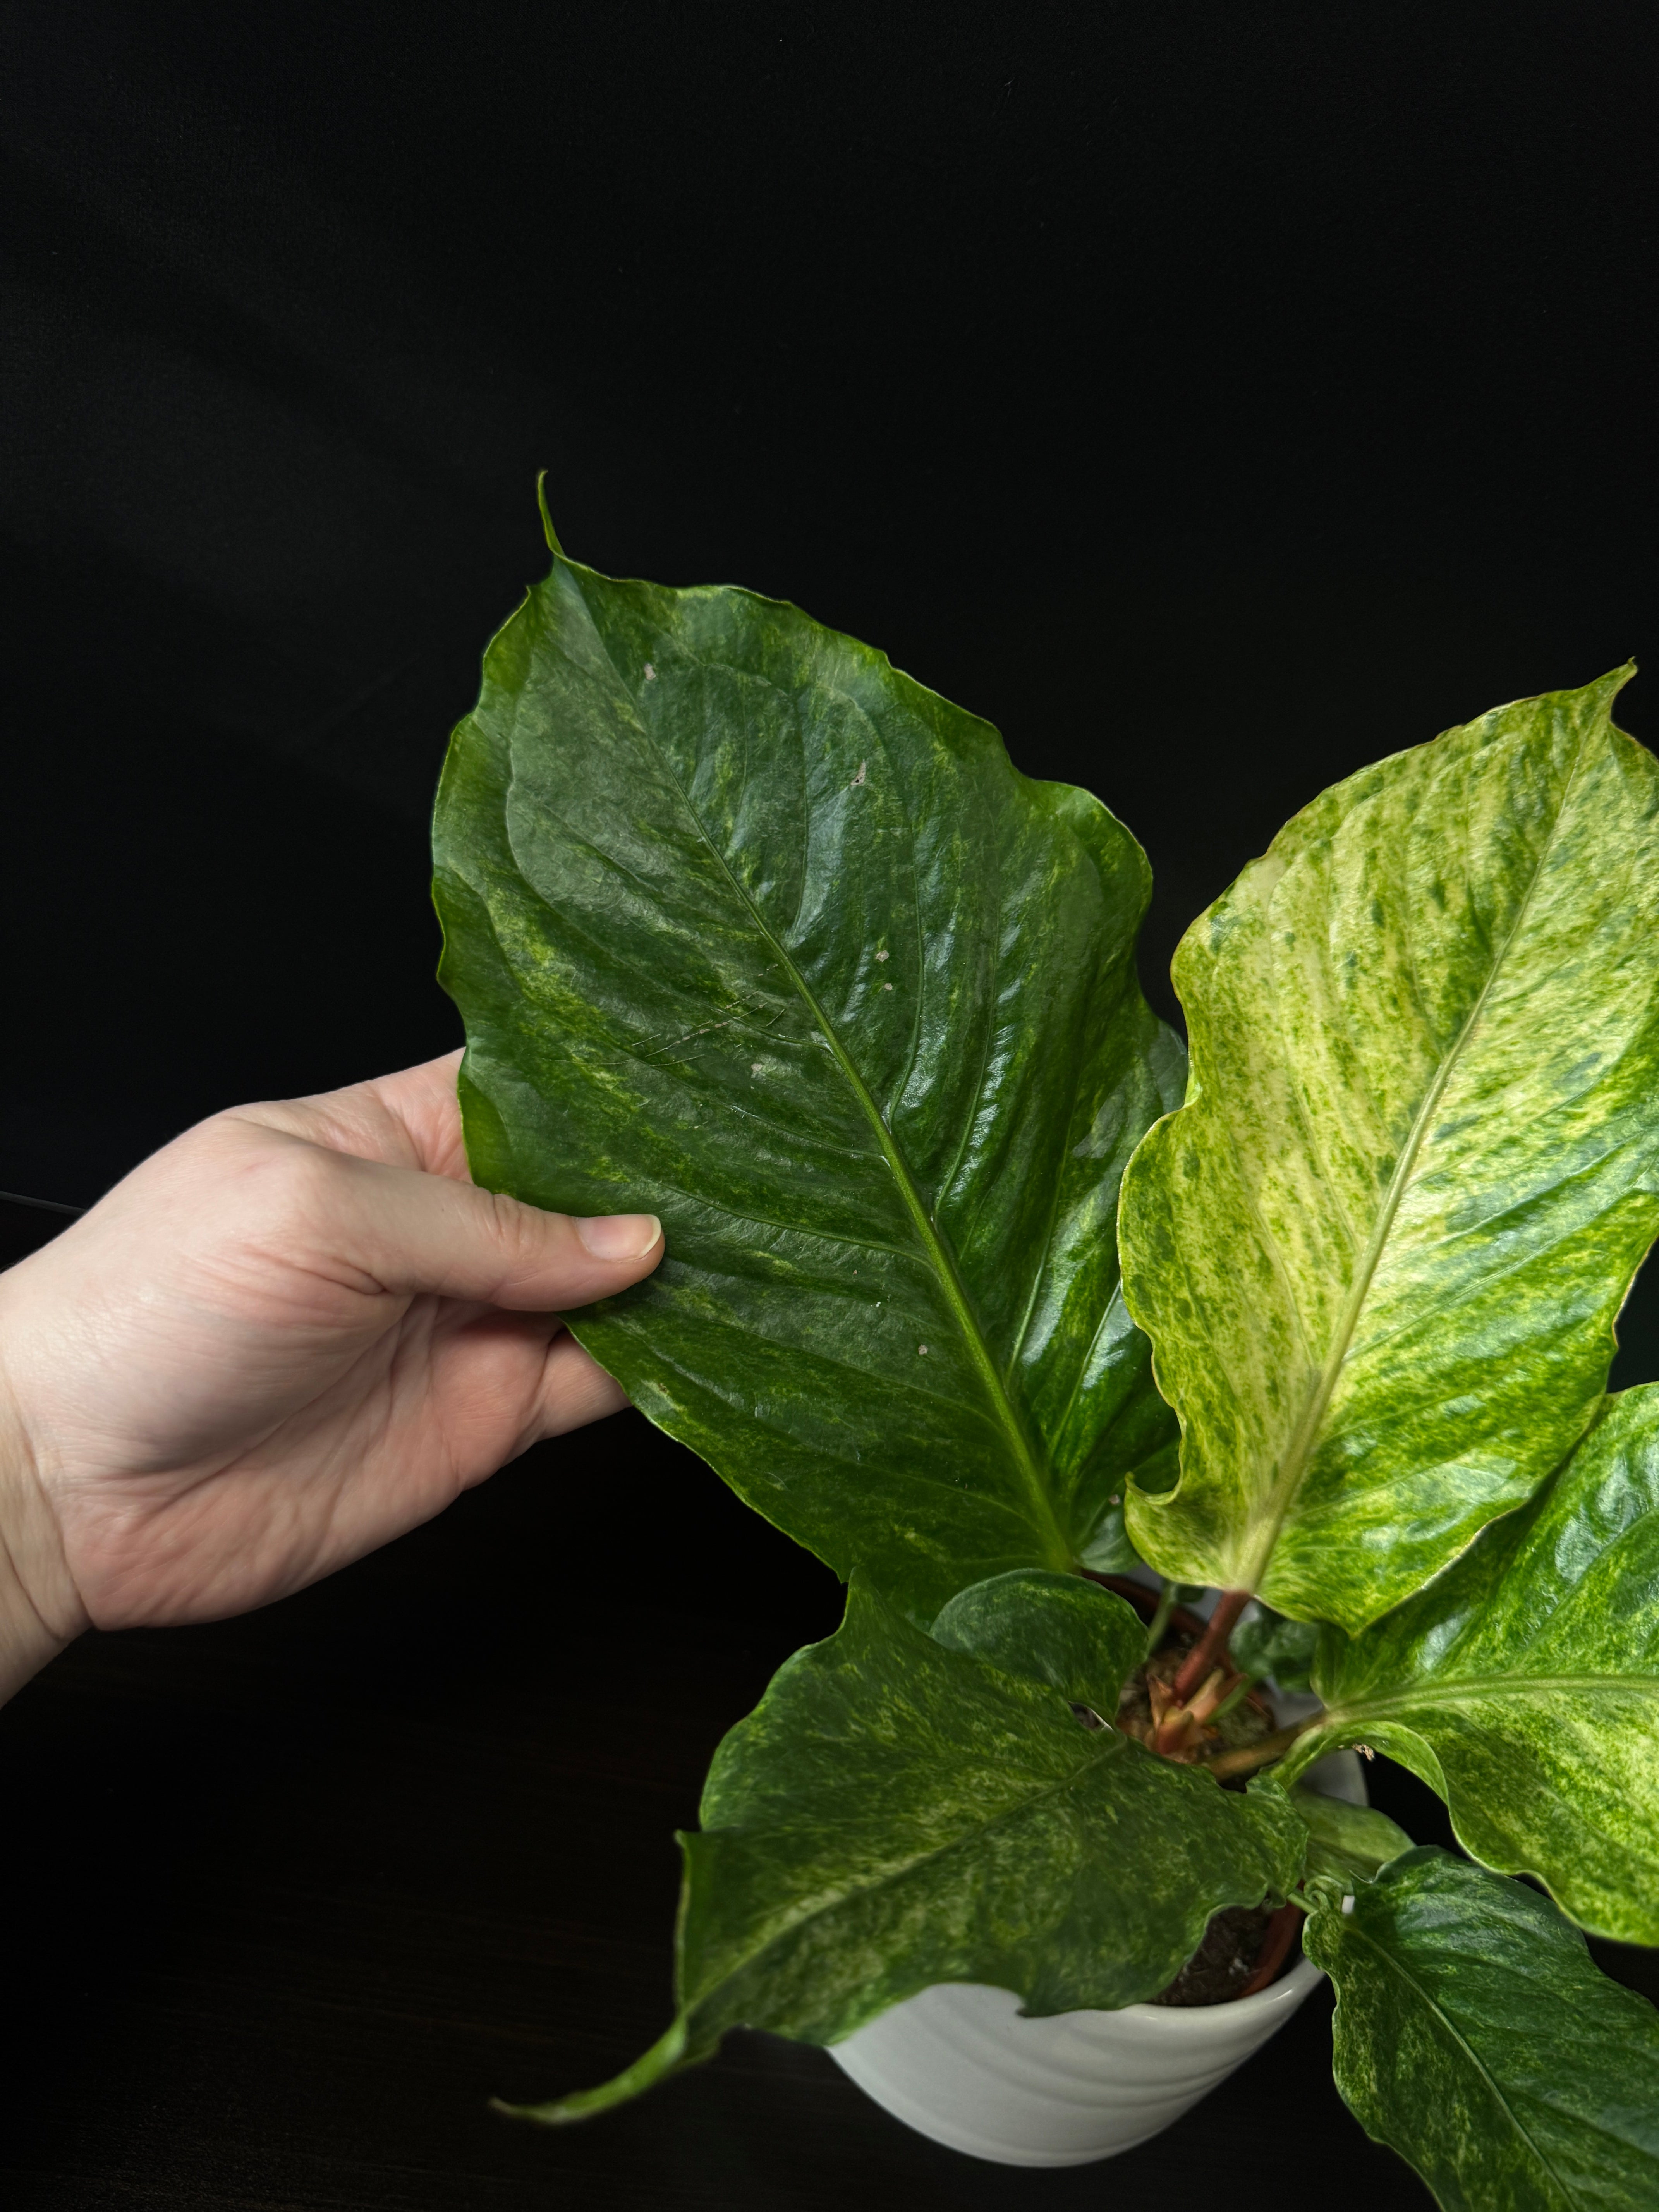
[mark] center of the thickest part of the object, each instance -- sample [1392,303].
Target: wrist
[40,1611]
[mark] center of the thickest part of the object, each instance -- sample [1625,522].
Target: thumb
[414,1232]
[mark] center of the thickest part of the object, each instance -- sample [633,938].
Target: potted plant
[976,1289]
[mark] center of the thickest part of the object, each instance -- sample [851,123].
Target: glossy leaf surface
[1524,1684]
[1266,1643]
[1475,2035]
[895,1813]
[1055,1629]
[1346,1841]
[750,929]
[1380,1250]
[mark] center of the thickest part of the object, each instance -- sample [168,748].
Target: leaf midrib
[1397,1966]
[1300,1448]
[1113,1746]
[937,1253]
[1471,1691]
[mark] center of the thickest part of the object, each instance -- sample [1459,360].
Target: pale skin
[294,1333]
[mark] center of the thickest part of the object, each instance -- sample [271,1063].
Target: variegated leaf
[1474,2033]
[1345,1842]
[750,929]
[1524,1684]
[895,1813]
[1380,1250]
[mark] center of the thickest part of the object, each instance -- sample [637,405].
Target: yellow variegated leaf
[1380,1250]
[1523,1685]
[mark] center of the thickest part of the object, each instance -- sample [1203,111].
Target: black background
[1214,396]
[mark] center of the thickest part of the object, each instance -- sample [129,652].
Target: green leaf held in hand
[1524,1684]
[895,1813]
[1476,2035]
[750,928]
[1380,1250]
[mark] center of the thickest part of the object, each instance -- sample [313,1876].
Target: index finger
[411,1119]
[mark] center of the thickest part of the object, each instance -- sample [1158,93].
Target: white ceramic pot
[958,2062]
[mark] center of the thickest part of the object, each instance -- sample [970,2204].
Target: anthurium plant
[977,1289]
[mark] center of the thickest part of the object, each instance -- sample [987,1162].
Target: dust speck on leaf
[858,778]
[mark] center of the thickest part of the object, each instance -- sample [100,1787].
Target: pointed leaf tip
[670,2050]
[548,530]
[1610,686]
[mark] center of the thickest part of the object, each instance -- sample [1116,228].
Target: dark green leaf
[1268,1644]
[1380,1251]
[1346,1841]
[1109,1551]
[1524,1684]
[1475,2035]
[1056,1629]
[894,1815]
[750,929]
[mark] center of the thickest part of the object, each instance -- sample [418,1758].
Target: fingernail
[617,1236]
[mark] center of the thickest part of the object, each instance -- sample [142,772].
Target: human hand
[291,1334]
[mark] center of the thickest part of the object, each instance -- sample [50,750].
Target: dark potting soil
[1224,1962]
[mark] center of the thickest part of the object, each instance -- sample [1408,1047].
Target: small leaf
[1524,1684]
[1109,1551]
[1268,1644]
[1077,1638]
[895,1813]
[749,928]
[1346,1841]
[1380,1250]
[1475,2036]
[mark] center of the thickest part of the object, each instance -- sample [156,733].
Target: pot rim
[1177,2023]
[1293,1983]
